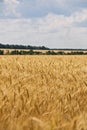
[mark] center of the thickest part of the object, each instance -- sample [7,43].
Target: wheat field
[43,92]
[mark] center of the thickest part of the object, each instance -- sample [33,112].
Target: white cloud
[79,16]
[53,23]
[11,7]
[52,30]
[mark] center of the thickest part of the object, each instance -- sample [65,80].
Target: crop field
[43,92]
[7,51]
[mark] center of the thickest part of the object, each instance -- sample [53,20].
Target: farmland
[43,52]
[43,92]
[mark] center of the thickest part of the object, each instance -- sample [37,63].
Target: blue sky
[53,23]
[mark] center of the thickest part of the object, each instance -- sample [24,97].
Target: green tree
[1,52]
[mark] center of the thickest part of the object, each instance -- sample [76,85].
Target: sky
[50,23]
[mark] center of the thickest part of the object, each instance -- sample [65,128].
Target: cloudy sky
[52,23]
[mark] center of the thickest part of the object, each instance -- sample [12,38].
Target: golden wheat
[43,92]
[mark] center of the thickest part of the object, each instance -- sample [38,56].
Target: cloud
[51,30]
[11,7]
[40,8]
[53,22]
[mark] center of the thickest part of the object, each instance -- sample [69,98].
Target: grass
[43,92]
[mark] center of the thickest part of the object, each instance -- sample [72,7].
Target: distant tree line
[47,52]
[7,46]
[66,53]
[29,47]
[35,50]
[1,52]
